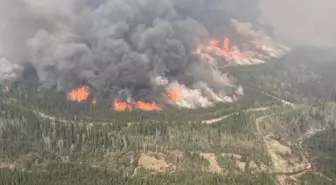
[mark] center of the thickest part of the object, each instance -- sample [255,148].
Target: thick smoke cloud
[119,46]
[302,22]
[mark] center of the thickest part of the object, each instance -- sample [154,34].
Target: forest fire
[138,55]
[213,47]
[121,106]
[213,43]
[226,45]
[225,51]
[150,106]
[176,94]
[173,95]
[79,95]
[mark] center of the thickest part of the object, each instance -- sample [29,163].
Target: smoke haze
[122,47]
[302,22]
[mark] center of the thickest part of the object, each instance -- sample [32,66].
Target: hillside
[306,75]
[280,132]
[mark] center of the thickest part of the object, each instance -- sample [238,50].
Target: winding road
[293,175]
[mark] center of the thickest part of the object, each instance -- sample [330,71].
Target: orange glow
[79,95]
[226,45]
[198,51]
[151,106]
[225,51]
[121,106]
[213,43]
[237,55]
[94,100]
[173,95]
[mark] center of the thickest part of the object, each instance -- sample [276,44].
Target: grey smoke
[8,70]
[302,22]
[118,46]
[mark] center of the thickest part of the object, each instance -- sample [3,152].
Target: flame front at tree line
[173,95]
[151,106]
[79,95]
[121,105]
[225,51]
[145,106]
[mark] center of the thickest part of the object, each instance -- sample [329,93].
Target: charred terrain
[279,132]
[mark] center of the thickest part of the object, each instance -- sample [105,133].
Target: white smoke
[131,48]
[8,70]
[240,90]
[198,96]
[261,40]
[189,98]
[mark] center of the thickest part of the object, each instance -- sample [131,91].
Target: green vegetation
[322,147]
[36,144]
[46,139]
[83,175]
[303,76]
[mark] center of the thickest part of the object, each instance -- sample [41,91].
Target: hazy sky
[302,21]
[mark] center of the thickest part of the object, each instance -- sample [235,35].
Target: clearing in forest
[157,163]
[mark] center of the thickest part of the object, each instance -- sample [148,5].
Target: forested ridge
[64,149]
[47,139]
[39,147]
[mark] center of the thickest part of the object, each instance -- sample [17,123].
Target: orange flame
[226,45]
[151,106]
[121,106]
[173,95]
[213,49]
[79,95]
[213,43]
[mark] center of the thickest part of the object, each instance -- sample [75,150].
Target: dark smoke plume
[132,47]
